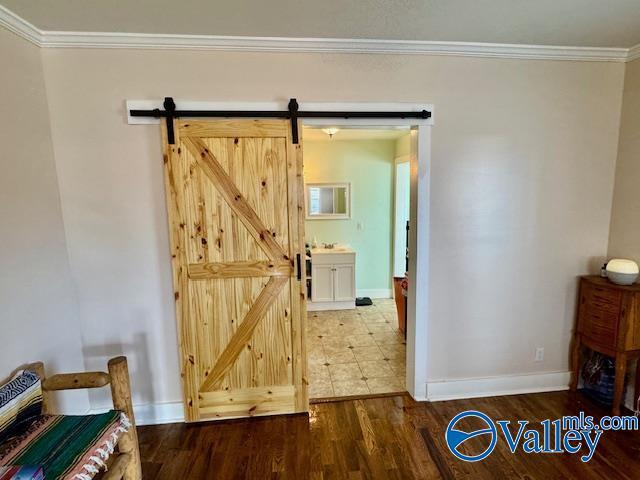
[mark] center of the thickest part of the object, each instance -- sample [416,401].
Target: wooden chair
[125,463]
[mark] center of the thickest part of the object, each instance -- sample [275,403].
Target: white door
[402,188]
[344,283]
[322,283]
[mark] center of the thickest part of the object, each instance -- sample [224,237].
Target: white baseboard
[319,306]
[420,393]
[374,292]
[159,413]
[173,412]
[153,413]
[495,386]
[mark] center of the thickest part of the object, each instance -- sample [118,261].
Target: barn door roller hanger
[292,113]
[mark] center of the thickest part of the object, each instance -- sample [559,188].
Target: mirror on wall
[328,201]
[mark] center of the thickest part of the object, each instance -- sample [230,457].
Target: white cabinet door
[322,283]
[344,282]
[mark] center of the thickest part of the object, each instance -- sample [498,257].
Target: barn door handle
[298,261]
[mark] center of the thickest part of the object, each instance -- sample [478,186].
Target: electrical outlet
[360,226]
[539,354]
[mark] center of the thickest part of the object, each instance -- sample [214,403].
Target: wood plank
[243,333]
[302,396]
[244,289]
[245,371]
[174,175]
[217,316]
[295,208]
[206,319]
[203,271]
[266,158]
[248,402]
[233,128]
[234,198]
[368,432]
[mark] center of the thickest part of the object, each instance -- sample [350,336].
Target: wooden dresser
[609,323]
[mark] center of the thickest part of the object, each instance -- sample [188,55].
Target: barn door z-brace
[170,113]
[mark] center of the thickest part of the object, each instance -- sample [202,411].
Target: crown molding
[327,45]
[20,26]
[59,39]
[634,53]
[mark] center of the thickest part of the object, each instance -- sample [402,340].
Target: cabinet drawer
[601,327]
[602,300]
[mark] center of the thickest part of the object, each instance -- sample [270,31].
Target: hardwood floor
[379,438]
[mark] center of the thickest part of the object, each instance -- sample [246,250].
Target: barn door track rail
[292,113]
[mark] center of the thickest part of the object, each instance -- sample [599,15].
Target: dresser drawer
[601,300]
[600,314]
[601,327]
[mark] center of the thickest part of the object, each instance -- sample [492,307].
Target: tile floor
[356,352]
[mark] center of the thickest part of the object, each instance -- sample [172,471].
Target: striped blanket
[20,403]
[67,447]
[21,473]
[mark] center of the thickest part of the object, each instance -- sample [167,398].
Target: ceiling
[316,134]
[586,23]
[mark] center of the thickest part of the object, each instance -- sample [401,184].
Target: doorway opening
[357,191]
[415,117]
[419,164]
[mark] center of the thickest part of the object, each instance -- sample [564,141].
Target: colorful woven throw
[20,403]
[68,447]
[22,473]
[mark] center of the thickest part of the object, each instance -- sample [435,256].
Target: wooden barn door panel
[234,194]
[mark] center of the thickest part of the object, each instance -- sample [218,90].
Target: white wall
[523,166]
[624,236]
[624,239]
[38,309]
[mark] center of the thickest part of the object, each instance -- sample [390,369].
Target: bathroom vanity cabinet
[333,279]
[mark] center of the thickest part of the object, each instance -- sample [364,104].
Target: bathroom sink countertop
[336,249]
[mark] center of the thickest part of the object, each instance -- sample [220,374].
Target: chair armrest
[71,381]
[128,461]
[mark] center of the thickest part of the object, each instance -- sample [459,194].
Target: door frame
[420,191]
[419,216]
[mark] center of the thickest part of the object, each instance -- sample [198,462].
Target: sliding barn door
[235,203]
